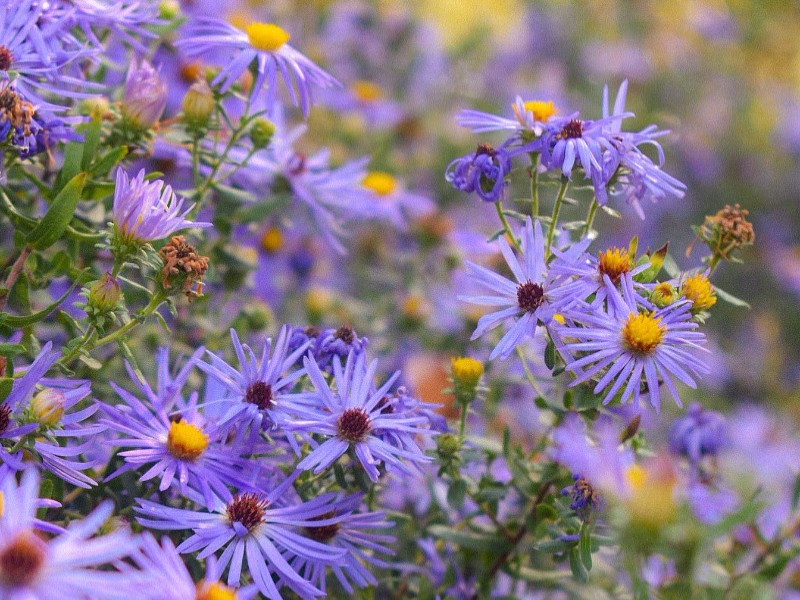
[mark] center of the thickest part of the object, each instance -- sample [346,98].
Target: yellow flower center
[47,407]
[379,182]
[614,262]
[466,370]
[413,307]
[559,318]
[266,36]
[699,290]
[366,91]
[2,506]
[272,240]
[635,477]
[215,591]
[541,111]
[186,441]
[643,333]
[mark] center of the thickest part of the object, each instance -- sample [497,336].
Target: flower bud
[168,10]
[47,406]
[96,107]
[699,291]
[262,132]
[663,294]
[448,446]
[198,103]
[104,293]
[145,95]
[466,372]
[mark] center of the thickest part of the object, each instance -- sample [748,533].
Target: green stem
[556,210]
[534,184]
[590,217]
[528,374]
[155,302]
[507,227]
[462,425]
[85,340]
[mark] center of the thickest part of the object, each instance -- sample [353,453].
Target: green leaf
[456,493]
[576,566]
[107,162]
[656,260]
[25,321]
[730,298]
[472,540]
[91,139]
[11,349]
[585,547]
[796,492]
[6,383]
[550,355]
[54,223]
[540,576]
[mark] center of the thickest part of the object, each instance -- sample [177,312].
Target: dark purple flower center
[384,406]
[312,331]
[530,296]
[346,334]
[353,424]
[323,533]
[21,560]
[6,59]
[248,509]
[573,129]
[260,394]
[5,417]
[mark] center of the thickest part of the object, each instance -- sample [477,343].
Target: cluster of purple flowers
[611,159]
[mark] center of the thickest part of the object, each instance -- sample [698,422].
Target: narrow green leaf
[550,355]
[6,383]
[730,298]
[108,161]
[540,576]
[54,223]
[91,139]
[796,492]
[457,493]
[25,321]
[576,566]
[585,547]
[472,540]
[11,349]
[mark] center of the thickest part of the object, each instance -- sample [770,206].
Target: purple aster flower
[337,342]
[169,579]
[43,408]
[127,20]
[529,119]
[483,172]
[385,198]
[184,448]
[352,417]
[527,299]
[602,462]
[698,433]
[262,43]
[259,395]
[145,211]
[145,95]
[633,175]
[637,350]
[30,52]
[328,192]
[257,533]
[581,275]
[73,562]
[709,502]
[354,534]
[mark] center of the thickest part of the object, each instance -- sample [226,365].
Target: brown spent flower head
[727,230]
[183,266]
[5,417]
[22,560]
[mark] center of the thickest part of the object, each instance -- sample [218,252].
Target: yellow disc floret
[699,290]
[663,294]
[186,441]
[541,110]
[272,240]
[635,477]
[2,506]
[466,371]
[366,91]
[614,262]
[643,332]
[266,36]
[379,182]
[215,591]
